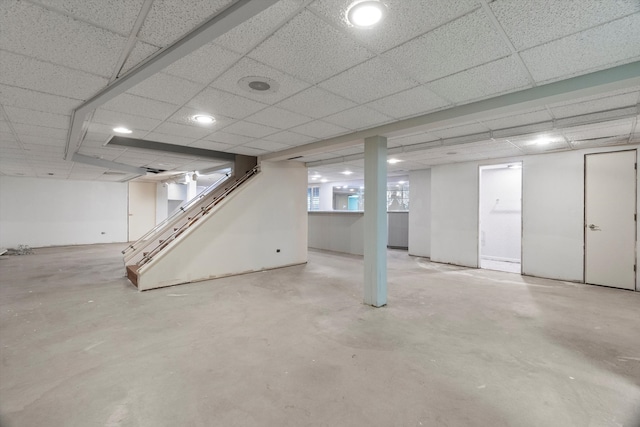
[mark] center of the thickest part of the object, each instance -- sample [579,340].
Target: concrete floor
[296,347]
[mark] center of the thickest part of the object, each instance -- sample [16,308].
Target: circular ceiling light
[259,85]
[366,14]
[393,161]
[122,130]
[203,119]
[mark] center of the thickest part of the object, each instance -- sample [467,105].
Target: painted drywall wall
[162,202]
[420,213]
[51,212]
[142,209]
[260,226]
[454,214]
[337,231]
[500,214]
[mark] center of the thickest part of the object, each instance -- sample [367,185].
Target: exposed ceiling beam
[170,148]
[231,17]
[594,83]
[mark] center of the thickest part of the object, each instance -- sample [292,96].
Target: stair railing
[148,256]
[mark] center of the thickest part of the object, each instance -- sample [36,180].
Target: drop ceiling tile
[481,82]
[177,129]
[169,139]
[211,145]
[278,118]
[601,47]
[530,117]
[620,113]
[414,139]
[412,102]
[228,138]
[39,101]
[289,138]
[269,146]
[28,141]
[252,130]
[26,72]
[310,49]
[140,52]
[533,22]
[226,104]
[464,43]
[21,115]
[247,151]
[405,19]
[106,153]
[114,119]
[5,130]
[537,128]
[599,142]
[358,118]
[602,104]
[316,103]
[462,130]
[320,129]
[114,15]
[615,128]
[204,64]
[137,105]
[245,36]
[539,142]
[168,21]
[24,130]
[247,67]
[166,88]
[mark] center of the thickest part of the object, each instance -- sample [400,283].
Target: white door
[142,209]
[610,223]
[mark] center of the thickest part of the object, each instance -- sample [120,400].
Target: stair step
[132,274]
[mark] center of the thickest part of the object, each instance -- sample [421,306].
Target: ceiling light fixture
[122,130]
[393,161]
[366,14]
[203,119]
[324,180]
[347,173]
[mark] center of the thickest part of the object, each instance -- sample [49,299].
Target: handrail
[178,211]
[203,211]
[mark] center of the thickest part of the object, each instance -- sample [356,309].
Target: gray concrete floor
[296,347]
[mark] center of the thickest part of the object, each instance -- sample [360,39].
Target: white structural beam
[595,83]
[375,221]
[234,15]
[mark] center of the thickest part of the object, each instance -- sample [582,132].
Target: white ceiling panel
[370,80]
[228,138]
[194,132]
[289,138]
[413,139]
[608,103]
[106,153]
[310,49]
[114,15]
[169,20]
[140,52]
[204,64]
[137,105]
[418,100]
[247,151]
[40,33]
[462,130]
[214,101]
[117,119]
[39,101]
[247,67]
[25,130]
[533,22]
[610,44]
[248,34]
[358,118]
[320,129]
[211,145]
[267,145]
[615,128]
[530,117]
[21,115]
[539,142]
[163,87]
[405,19]
[480,82]
[464,43]
[26,72]
[169,139]
[278,118]
[316,103]
[252,130]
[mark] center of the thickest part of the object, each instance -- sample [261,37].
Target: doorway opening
[500,217]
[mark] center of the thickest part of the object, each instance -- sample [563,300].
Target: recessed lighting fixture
[401,182]
[324,180]
[347,173]
[366,14]
[351,189]
[121,129]
[542,141]
[393,161]
[203,119]
[362,188]
[338,187]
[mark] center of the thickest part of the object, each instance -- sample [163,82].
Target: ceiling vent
[259,85]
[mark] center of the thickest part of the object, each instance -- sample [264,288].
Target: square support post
[375,221]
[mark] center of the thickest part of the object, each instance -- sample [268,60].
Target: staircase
[164,234]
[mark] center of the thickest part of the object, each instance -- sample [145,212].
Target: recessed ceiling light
[400,182]
[351,189]
[394,161]
[324,180]
[347,173]
[122,130]
[366,14]
[542,141]
[203,119]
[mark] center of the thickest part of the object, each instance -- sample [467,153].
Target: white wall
[51,212]
[420,213]
[500,214]
[337,231]
[162,202]
[243,234]
[454,214]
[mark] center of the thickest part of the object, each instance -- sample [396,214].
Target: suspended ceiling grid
[333,79]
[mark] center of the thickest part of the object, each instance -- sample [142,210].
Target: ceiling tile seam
[132,39]
[74,17]
[514,52]
[12,129]
[52,63]
[39,92]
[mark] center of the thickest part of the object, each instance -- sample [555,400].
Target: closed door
[610,219]
[142,209]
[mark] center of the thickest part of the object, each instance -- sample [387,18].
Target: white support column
[375,221]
